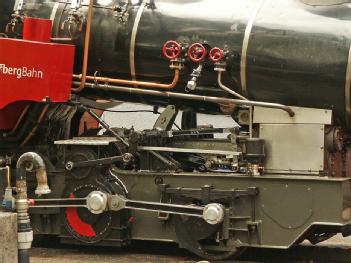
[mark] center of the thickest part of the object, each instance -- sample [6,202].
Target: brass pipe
[40,119]
[135,83]
[86,49]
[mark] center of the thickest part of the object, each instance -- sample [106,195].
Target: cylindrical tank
[294,52]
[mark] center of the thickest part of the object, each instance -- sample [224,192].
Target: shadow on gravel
[49,249]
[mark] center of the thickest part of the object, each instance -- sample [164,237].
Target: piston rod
[97,202]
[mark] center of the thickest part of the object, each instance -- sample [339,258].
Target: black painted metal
[297,53]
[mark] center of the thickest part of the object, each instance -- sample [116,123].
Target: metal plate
[285,207]
[293,148]
[302,115]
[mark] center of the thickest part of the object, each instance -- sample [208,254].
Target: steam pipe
[39,165]
[86,49]
[225,88]
[135,83]
[167,94]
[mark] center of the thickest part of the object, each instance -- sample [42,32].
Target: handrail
[167,94]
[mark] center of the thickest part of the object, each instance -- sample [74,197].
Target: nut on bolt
[114,203]
[69,166]
[127,157]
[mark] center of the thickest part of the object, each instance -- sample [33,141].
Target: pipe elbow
[32,161]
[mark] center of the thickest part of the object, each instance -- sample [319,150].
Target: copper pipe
[135,83]
[86,49]
[40,119]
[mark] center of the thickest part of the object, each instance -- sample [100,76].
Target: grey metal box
[293,148]
[302,116]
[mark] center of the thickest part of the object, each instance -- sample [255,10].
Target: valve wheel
[172,49]
[216,54]
[197,52]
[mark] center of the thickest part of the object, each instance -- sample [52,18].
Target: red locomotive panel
[34,71]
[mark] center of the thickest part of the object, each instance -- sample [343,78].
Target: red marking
[31,202]
[131,220]
[80,227]
[87,122]
[36,29]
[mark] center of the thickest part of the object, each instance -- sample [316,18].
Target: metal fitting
[69,166]
[192,83]
[25,240]
[177,64]
[9,201]
[220,67]
[97,202]
[213,214]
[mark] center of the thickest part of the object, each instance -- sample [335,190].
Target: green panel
[288,205]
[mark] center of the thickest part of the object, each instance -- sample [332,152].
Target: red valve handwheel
[171,49]
[216,54]
[197,52]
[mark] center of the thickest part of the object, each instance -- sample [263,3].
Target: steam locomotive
[280,69]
